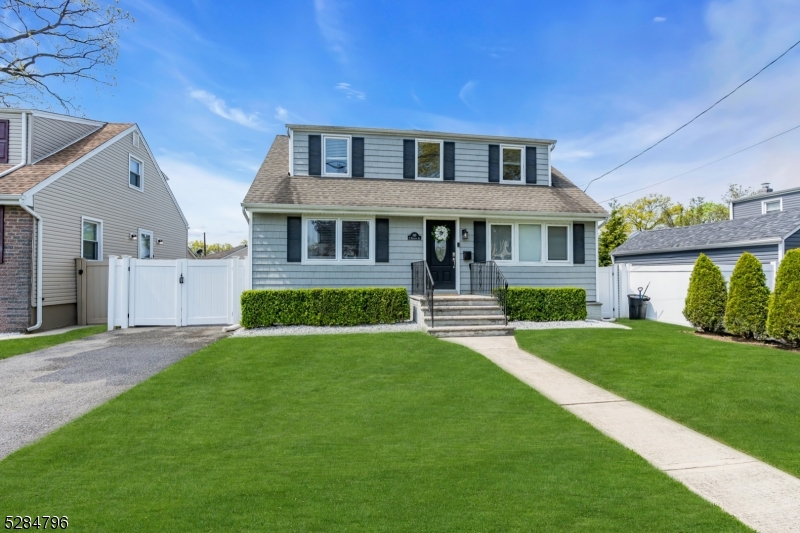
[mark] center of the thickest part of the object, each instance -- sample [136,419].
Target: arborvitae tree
[783,321]
[707,297]
[613,234]
[748,299]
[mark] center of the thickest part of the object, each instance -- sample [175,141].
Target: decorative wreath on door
[440,235]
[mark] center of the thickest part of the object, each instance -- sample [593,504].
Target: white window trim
[99,236]
[132,157]
[339,260]
[515,243]
[441,159]
[771,200]
[521,164]
[349,140]
[139,243]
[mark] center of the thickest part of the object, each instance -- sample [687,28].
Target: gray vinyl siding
[720,256]
[582,276]
[49,135]
[383,158]
[98,188]
[14,136]
[751,208]
[272,271]
[792,242]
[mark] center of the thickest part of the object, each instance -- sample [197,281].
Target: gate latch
[180,280]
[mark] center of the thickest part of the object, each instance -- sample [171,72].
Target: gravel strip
[6,336]
[327,330]
[567,324]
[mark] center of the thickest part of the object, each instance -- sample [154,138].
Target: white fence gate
[668,287]
[179,292]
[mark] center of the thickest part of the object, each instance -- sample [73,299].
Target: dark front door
[441,256]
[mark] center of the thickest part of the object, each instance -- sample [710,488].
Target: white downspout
[249,274]
[38,266]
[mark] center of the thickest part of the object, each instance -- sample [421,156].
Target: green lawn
[746,396]
[20,345]
[394,432]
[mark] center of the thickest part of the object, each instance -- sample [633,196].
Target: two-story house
[766,224]
[355,207]
[74,188]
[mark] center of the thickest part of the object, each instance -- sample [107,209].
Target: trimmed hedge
[546,304]
[707,296]
[783,321]
[748,299]
[324,307]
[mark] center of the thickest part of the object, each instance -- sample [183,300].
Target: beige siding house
[90,189]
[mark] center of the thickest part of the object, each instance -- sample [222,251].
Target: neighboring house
[237,252]
[72,188]
[766,201]
[354,207]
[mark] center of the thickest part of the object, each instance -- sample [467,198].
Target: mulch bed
[725,337]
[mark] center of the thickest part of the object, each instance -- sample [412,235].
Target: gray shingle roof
[273,185]
[763,228]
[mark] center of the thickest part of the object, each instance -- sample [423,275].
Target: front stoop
[463,316]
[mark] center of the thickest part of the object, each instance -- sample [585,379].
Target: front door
[441,255]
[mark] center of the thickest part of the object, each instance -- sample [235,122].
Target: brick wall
[16,270]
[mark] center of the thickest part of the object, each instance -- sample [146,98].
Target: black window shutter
[530,164]
[4,127]
[409,172]
[479,229]
[314,155]
[578,244]
[450,161]
[294,232]
[381,240]
[494,163]
[357,147]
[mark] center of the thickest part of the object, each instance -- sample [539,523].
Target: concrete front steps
[458,315]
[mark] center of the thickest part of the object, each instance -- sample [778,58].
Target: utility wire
[695,118]
[703,166]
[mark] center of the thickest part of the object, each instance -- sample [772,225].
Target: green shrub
[546,304]
[783,321]
[748,299]
[324,307]
[707,297]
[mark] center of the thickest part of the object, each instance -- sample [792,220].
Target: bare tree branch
[47,44]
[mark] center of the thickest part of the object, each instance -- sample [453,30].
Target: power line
[695,118]
[703,166]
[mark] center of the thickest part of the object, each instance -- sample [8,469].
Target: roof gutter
[775,240]
[24,160]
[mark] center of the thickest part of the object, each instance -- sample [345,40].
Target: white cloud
[210,200]
[218,106]
[466,92]
[327,15]
[659,19]
[349,92]
[281,114]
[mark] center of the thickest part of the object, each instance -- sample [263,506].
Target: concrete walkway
[763,497]
[41,391]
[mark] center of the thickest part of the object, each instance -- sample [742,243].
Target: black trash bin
[637,306]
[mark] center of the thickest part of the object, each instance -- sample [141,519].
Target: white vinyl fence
[176,292]
[668,287]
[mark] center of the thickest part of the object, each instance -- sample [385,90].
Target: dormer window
[336,155]
[772,206]
[429,160]
[511,164]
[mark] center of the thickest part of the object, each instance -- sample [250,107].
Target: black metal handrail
[422,284]
[485,277]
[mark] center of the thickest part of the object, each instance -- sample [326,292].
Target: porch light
[160,241]
[134,237]
[464,235]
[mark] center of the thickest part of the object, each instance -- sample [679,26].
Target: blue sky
[211,83]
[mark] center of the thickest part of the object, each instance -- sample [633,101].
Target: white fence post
[112,291]
[124,291]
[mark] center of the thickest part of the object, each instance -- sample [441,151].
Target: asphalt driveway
[41,391]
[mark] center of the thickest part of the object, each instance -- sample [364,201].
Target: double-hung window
[338,239]
[135,173]
[429,159]
[528,242]
[336,155]
[91,239]
[558,243]
[511,164]
[502,244]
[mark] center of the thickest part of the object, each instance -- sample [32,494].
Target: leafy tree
[748,299]
[646,213]
[211,249]
[783,321]
[735,192]
[45,45]
[699,211]
[612,234]
[707,296]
